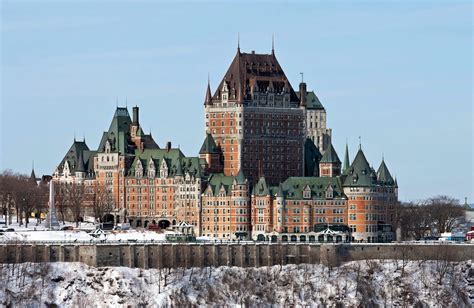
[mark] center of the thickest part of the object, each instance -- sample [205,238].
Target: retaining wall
[168,255]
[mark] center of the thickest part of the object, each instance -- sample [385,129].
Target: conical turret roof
[359,172]
[209,145]
[383,175]
[208,99]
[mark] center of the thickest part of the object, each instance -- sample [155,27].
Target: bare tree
[103,202]
[444,211]
[7,203]
[60,198]
[75,197]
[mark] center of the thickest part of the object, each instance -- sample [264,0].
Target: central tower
[257,120]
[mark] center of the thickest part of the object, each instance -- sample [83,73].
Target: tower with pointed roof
[330,165]
[346,166]
[211,155]
[372,198]
[254,116]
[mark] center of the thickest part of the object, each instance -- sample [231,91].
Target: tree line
[21,196]
[429,217]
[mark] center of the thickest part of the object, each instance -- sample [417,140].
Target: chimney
[168,146]
[135,115]
[303,94]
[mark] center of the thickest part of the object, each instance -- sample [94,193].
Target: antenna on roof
[74,136]
[126,102]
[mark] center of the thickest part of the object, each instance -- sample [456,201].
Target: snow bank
[362,283]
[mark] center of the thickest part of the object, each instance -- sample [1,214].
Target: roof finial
[273,44]
[382,156]
[33,164]
[302,75]
[116,102]
[83,136]
[126,102]
[238,42]
[74,136]
[360,143]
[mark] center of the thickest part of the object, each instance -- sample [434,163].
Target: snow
[361,283]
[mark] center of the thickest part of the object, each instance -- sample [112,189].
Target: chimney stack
[135,115]
[168,146]
[303,94]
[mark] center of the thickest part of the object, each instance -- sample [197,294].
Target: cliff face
[359,283]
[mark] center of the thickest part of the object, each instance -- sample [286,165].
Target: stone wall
[243,255]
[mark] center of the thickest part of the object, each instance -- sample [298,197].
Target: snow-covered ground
[362,283]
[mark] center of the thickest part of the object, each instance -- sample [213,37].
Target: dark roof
[209,145]
[78,149]
[80,164]
[312,156]
[208,97]
[383,175]
[359,174]
[312,101]
[250,69]
[330,156]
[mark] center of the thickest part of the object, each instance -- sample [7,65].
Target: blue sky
[398,74]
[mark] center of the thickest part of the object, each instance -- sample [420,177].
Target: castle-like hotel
[266,170]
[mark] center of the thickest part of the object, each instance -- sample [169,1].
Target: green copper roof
[218,180]
[312,156]
[383,175]
[346,166]
[330,156]
[261,188]
[294,187]
[209,145]
[118,134]
[312,101]
[359,174]
[174,159]
[240,178]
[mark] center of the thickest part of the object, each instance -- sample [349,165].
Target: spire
[273,45]
[207,100]
[345,168]
[383,175]
[33,175]
[209,145]
[238,42]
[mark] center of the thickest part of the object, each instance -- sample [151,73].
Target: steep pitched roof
[383,175]
[240,177]
[209,145]
[261,188]
[119,133]
[250,69]
[330,156]
[312,101]
[359,173]
[77,149]
[80,164]
[208,98]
